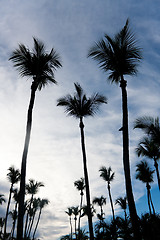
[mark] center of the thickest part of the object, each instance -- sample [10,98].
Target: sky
[54,157]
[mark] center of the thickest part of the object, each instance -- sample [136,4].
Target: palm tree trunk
[157,172]
[148,197]
[30,229]
[7,211]
[26,223]
[23,165]
[71,226]
[109,191]
[79,220]
[37,224]
[151,203]
[86,181]
[126,164]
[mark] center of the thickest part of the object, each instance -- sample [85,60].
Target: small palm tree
[2,199]
[100,201]
[40,65]
[120,56]
[69,213]
[42,203]
[13,176]
[31,188]
[145,174]
[80,106]
[75,211]
[122,202]
[80,185]
[108,177]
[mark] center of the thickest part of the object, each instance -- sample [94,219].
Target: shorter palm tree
[122,202]
[69,213]
[80,185]
[80,106]
[75,211]
[13,176]
[107,175]
[42,203]
[145,174]
[100,201]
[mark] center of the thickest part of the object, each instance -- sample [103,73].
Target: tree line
[117,56]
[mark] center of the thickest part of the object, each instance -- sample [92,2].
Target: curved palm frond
[144,172]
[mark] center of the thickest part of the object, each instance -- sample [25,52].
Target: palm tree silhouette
[80,106]
[100,201]
[69,213]
[75,212]
[122,202]
[80,185]
[149,146]
[41,66]
[42,203]
[107,176]
[31,188]
[119,56]
[13,176]
[145,174]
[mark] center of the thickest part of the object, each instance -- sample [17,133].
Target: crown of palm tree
[33,186]
[122,202]
[106,174]
[118,55]
[2,199]
[80,185]
[69,211]
[147,147]
[13,175]
[36,63]
[144,172]
[100,201]
[79,105]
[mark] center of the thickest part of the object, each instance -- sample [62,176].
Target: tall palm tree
[145,174]
[122,202]
[107,175]
[80,185]
[119,56]
[13,176]
[31,188]
[69,213]
[80,106]
[42,203]
[2,199]
[40,65]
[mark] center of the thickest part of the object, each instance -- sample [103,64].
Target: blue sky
[72,27]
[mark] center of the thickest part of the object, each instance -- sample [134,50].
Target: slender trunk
[32,221]
[79,220]
[23,165]
[148,197]
[86,181]
[14,223]
[110,198]
[75,219]
[7,211]
[37,223]
[125,215]
[131,203]
[26,223]
[71,226]
[151,203]
[157,172]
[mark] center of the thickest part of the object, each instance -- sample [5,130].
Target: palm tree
[145,174]
[80,106]
[108,177]
[122,202]
[31,188]
[75,211]
[120,56]
[69,213]
[41,66]
[13,176]
[13,215]
[80,185]
[150,145]
[100,201]
[2,199]
[42,204]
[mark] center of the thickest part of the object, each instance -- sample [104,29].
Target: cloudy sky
[72,27]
